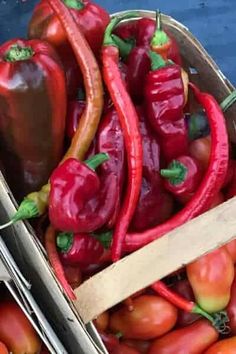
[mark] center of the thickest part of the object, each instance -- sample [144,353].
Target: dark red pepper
[155,205]
[32,113]
[110,140]
[92,20]
[182,177]
[165,100]
[81,249]
[75,110]
[78,200]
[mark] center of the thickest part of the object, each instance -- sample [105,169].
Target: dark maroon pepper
[74,112]
[165,100]
[110,140]
[155,204]
[79,201]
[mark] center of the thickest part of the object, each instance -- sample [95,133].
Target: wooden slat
[156,260]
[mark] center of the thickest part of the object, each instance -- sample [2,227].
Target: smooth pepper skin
[110,140]
[164,99]
[211,277]
[155,205]
[182,177]
[75,110]
[32,113]
[78,200]
[80,249]
[92,20]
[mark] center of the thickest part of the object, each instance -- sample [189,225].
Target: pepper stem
[157,62]
[125,47]
[108,40]
[160,37]
[74,4]
[18,53]
[96,160]
[175,173]
[64,241]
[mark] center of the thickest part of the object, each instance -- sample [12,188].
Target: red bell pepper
[90,17]
[110,140]
[78,201]
[155,205]
[84,249]
[164,99]
[182,177]
[32,113]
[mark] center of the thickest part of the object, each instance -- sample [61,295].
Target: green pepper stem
[105,238]
[18,53]
[64,241]
[108,40]
[175,173]
[156,61]
[160,37]
[198,310]
[125,47]
[74,4]
[96,160]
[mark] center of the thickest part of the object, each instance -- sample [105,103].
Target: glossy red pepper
[32,113]
[129,123]
[182,177]
[90,17]
[75,110]
[155,205]
[193,339]
[73,275]
[110,140]
[164,99]
[78,201]
[211,182]
[224,346]
[76,249]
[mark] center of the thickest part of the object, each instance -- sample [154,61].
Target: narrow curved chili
[130,125]
[35,204]
[50,245]
[211,182]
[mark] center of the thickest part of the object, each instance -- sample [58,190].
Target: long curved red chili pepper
[210,185]
[130,125]
[50,245]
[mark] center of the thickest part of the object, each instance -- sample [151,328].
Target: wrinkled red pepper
[78,200]
[82,249]
[33,109]
[110,140]
[165,100]
[75,110]
[155,205]
[92,20]
[182,177]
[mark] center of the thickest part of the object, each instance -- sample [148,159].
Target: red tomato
[231,248]
[101,322]
[225,346]
[151,317]
[73,276]
[231,308]
[201,150]
[141,345]
[193,339]
[124,349]
[211,277]
[183,288]
[3,349]
[16,331]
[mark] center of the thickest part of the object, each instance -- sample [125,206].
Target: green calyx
[159,38]
[64,241]
[108,40]
[175,173]
[18,53]
[219,320]
[104,238]
[96,160]
[157,62]
[125,47]
[74,4]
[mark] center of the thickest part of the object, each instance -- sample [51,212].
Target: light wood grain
[156,260]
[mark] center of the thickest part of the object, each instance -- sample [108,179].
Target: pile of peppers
[107,145]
